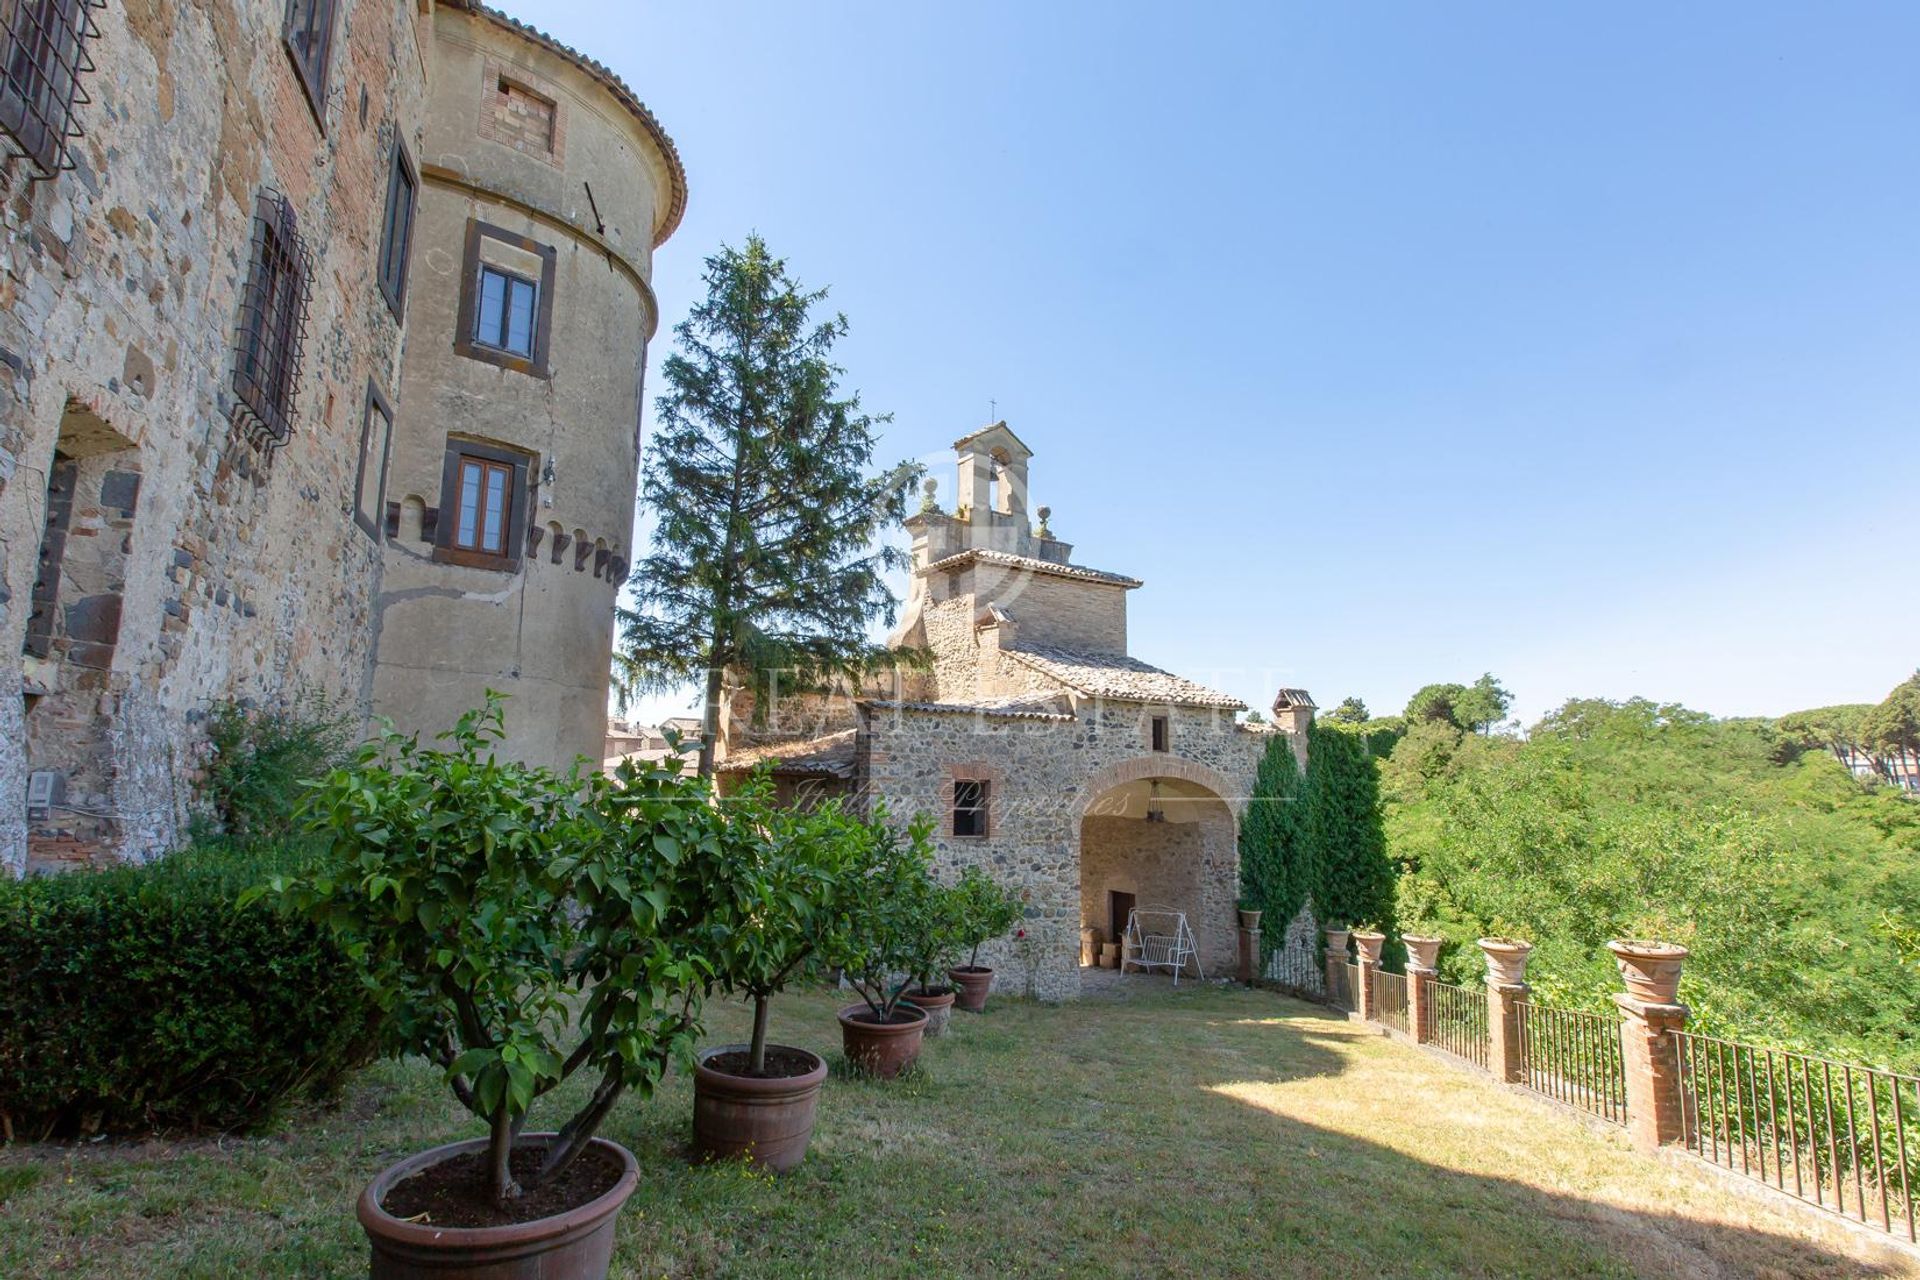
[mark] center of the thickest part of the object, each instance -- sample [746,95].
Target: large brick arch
[1140,768]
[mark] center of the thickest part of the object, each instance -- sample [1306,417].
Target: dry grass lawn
[1207,1132]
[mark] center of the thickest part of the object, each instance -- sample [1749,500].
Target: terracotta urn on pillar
[1369,942]
[1651,969]
[1337,941]
[1423,951]
[1506,961]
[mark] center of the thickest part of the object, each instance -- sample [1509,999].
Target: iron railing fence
[1834,1134]
[1297,968]
[1343,985]
[1459,1020]
[1390,1000]
[1574,1057]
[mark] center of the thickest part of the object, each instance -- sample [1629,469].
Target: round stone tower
[544,187]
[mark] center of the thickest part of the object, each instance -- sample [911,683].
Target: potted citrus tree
[890,908]
[938,947]
[778,898]
[986,910]
[523,928]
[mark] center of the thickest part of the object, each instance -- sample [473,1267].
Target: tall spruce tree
[764,560]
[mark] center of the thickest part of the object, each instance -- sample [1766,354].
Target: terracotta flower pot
[1651,969]
[882,1049]
[975,981]
[1423,951]
[1249,919]
[1506,961]
[768,1120]
[1369,944]
[1337,942]
[938,1003]
[575,1245]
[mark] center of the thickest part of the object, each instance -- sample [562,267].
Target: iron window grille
[309,37]
[273,324]
[969,807]
[506,312]
[396,229]
[43,60]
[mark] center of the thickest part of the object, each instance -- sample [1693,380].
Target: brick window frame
[396,228]
[43,60]
[273,324]
[306,32]
[376,410]
[977,772]
[519,501]
[464,342]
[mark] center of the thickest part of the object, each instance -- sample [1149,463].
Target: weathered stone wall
[1048,772]
[237,574]
[1088,617]
[1183,866]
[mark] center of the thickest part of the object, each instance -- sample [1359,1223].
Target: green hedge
[139,998]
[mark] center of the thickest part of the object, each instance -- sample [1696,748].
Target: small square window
[1161,734]
[396,230]
[370,486]
[43,55]
[505,311]
[969,807]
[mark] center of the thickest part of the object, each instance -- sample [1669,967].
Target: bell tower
[993,490]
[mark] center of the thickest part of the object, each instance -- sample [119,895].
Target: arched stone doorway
[1159,832]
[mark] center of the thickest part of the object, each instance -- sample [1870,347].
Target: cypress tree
[764,561]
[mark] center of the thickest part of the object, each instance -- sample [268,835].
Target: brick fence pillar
[1506,989]
[1336,961]
[1506,1057]
[1249,957]
[1650,1012]
[1368,944]
[1655,1112]
[1420,1003]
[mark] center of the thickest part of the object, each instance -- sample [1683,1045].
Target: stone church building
[1046,753]
[322,331]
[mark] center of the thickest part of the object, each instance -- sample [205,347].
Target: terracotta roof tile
[1011,561]
[1121,678]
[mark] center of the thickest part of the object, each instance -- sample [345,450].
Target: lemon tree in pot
[939,946]
[523,928]
[890,906]
[778,898]
[987,909]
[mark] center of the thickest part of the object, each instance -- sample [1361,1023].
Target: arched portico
[1160,831]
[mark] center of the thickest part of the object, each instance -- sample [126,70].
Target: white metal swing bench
[1158,938]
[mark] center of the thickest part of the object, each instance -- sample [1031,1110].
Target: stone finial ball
[1046,512]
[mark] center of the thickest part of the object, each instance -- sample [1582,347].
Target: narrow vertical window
[273,319]
[970,807]
[309,39]
[483,508]
[43,56]
[370,486]
[504,319]
[396,230]
[1160,734]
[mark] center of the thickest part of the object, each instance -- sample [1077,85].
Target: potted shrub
[1337,941]
[1249,914]
[1369,942]
[889,908]
[1506,961]
[522,928]
[938,946]
[1423,950]
[776,899]
[1651,969]
[986,909]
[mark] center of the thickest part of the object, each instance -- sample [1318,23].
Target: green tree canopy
[1482,705]
[1893,727]
[1435,702]
[764,561]
[1350,711]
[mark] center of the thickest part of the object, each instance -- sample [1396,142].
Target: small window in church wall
[969,808]
[1161,734]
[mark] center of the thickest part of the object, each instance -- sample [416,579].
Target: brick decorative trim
[1161,765]
[973,771]
[496,123]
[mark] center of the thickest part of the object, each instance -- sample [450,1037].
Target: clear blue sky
[1388,342]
